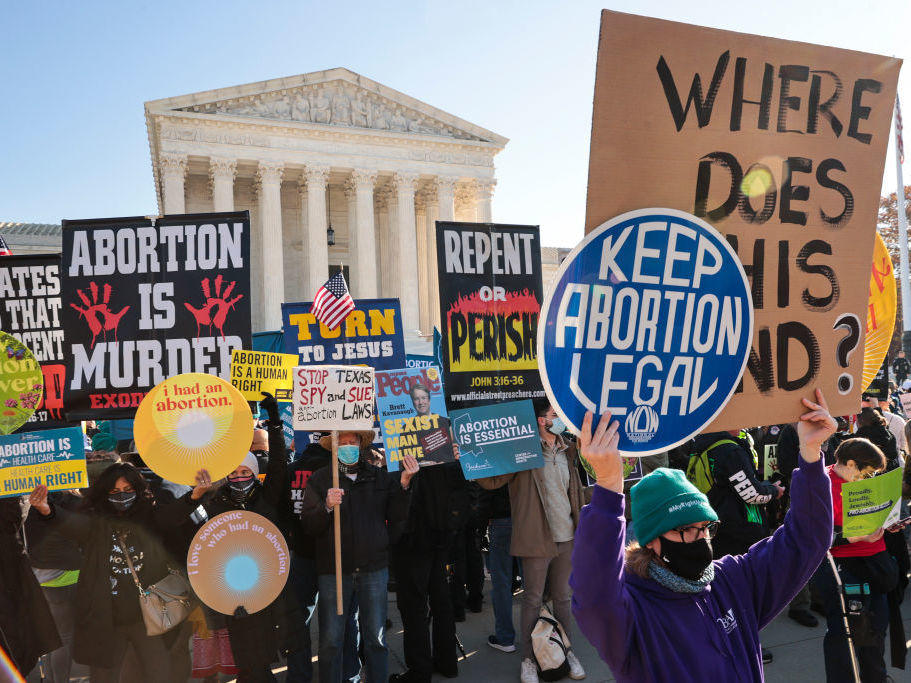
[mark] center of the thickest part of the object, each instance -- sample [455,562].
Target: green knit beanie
[664,500]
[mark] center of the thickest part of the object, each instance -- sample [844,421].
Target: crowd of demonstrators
[420,533]
[545,506]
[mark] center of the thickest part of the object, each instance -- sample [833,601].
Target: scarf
[678,584]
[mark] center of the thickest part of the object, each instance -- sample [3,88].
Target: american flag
[898,131]
[332,302]
[4,247]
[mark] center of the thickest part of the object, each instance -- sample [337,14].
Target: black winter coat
[372,504]
[314,458]
[94,604]
[257,639]
[884,439]
[26,625]
[738,496]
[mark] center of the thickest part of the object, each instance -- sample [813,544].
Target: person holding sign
[862,561]
[119,517]
[661,609]
[257,638]
[372,502]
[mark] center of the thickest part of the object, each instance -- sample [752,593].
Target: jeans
[554,572]
[59,662]
[420,577]
[499,564]
[367,593]
[151,653]
[304,587]
[835,645]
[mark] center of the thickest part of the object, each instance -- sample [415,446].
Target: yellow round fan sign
[191,422]
[238,559]
[881,311]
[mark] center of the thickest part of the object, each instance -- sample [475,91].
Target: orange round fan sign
[191,422]
[881,311]
[238,559]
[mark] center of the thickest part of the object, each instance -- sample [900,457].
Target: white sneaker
[576,672]
[529,672]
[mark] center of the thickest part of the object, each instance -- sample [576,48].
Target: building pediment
[336,98]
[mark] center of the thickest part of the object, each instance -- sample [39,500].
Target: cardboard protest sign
[497,439]
[418,361]
[651,319]
[238,559]
[881,311]
[21,383]
[333,397]
[145,300]
[54,458]
[632,470]
[191,422]
[490,299]
[30,311]
[906,402]
[412,415]
[769,461]
[370,335]
[780,145]
[870,504]
[253,372]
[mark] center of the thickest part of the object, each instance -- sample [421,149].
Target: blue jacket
[646,632]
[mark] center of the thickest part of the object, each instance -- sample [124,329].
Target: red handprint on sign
[215,309]
[98,315]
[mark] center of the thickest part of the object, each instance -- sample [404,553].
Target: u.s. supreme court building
[337,172]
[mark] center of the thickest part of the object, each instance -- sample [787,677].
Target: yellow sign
[190,422]
[253,372]
[238,559]
[21,383]
[881,311]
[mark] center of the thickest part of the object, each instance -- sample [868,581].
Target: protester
[872,426]
[859,560]
[56,560]
[545,510]
[662,610]
[119,513]
[27,628]
[466,560]
[371,501]
[438,510]
[495,511]
[896,425]
[257,639]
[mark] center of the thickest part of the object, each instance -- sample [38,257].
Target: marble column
[465,202]
[316,250]
[420,220]
[221,181]
[383,198]
[269,179]
[444,210]
[363,255]
[405,185]
[485,200]
[432,294]
[172,169]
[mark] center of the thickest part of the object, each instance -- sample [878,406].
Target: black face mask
[687,560]
[122,500]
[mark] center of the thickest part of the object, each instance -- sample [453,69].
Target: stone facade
[326,148]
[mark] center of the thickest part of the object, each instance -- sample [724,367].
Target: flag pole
[337,529]
[902,232]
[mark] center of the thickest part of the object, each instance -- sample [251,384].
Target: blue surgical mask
[557,427]
[349,454]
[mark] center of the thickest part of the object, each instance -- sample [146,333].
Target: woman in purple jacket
[664,611]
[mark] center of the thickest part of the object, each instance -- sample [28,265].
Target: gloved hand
[270,405]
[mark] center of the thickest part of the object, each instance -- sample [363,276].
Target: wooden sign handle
[337,522]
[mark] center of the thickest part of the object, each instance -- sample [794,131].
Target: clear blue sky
[75,75]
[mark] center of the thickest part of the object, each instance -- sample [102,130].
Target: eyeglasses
[688,534]
[869,475]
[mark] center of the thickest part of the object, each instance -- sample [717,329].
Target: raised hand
[38,500]
[270,405]
[203,485]
[815,427]
[409,469]
[602,452]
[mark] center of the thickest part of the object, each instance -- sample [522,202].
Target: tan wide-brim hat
[366,436]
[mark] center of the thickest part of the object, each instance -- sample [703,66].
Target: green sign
[21,384]
[870,504]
